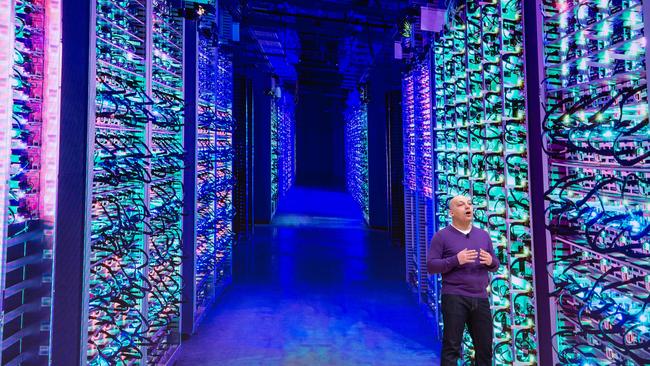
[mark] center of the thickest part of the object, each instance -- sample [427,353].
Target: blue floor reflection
[324,291]
[311,207]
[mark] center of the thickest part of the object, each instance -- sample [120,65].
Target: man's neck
[462,226]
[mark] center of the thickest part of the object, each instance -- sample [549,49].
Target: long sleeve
[435,262]
[495,260]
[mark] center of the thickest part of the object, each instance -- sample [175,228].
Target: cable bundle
[30,70]
[135,284]
[215,181]
[596,136]
[480,144]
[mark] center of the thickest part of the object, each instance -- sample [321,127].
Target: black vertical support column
[394,131]
[532,44]
[262,141]
[73,195]
[189,178]
[241,168]
[250,154]
[377,153]
[383,79]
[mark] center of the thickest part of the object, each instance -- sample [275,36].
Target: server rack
[422,113]
[287,145]
[412,268]
[408,91]
[165,192]
[410,243]
[30,51]
[282,140]
[225,238]
[145,187]
[596,140]
[208,236]
[429,285]
[356,148]
[275,153]
[423,126]
[243,144]
[118,294]
[417,107]
[481,151]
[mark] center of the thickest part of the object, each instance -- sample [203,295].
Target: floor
[315,288]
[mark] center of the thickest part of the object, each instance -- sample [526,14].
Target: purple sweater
[470,279]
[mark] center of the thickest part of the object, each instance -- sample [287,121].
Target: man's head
[461,210]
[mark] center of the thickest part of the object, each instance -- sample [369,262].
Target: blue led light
[282,146]
[215,212]
[356,155]
[287,143]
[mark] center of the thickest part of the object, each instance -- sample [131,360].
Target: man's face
[461,209]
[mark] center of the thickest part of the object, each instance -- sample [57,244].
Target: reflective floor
[315,288]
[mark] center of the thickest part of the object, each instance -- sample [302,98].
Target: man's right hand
[466,256]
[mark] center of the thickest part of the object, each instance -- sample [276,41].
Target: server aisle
[30,51]
[322,290]
[122,164]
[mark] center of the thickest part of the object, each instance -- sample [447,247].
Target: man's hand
[466,256]
[486,258]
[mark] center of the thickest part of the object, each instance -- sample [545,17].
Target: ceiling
[324,44]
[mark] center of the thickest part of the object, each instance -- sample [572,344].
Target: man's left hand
[485,258]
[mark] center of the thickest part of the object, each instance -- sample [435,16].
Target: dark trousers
[458,311]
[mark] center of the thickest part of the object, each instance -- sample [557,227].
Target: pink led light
[409,109]
[51,111]
[6,63]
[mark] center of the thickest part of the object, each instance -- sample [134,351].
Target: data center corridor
[315,287]
[149,148]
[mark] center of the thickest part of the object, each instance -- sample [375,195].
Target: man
[463,254]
